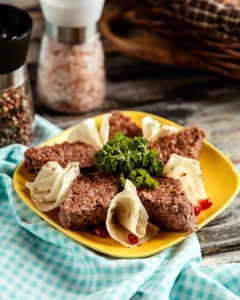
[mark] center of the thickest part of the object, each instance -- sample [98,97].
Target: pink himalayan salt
[71,78]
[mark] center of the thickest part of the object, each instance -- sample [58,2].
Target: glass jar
[16,109]
[71,77]
[16,115]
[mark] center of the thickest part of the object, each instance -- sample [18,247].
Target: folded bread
[87,132]
[126,215]
[153,130]
[188,171]
[52,184]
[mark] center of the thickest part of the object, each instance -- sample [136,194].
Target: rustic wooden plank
[221,258]
[222,234]
[38,25]
[33,53]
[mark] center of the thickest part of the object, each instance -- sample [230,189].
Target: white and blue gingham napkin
[39,262]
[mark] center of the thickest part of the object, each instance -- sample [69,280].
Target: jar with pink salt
[71,74]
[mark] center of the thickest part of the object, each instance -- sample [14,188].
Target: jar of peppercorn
[16,110]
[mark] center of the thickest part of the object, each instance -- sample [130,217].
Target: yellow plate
[222,183]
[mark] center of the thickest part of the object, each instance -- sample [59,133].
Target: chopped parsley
[132,158]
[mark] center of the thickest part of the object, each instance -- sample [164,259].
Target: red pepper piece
[205,203]
[133,239]
[197,210]
[100,231]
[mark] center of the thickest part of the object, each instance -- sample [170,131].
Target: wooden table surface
[185,96]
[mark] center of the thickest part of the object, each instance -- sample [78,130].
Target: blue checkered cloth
[39,262]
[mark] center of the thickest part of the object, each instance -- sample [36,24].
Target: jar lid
[15,34]
[72,13]
[72,36]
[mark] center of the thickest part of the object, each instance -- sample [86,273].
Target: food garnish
[205,203]
[140,178]
[197,210]
[99,230]
[122,154]
[133,239]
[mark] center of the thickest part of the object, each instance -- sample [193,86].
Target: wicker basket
[165,34]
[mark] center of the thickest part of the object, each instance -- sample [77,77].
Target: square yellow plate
[221,181]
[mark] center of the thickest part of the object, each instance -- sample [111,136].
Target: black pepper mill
[16,110]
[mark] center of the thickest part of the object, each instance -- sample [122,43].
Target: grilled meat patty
[187,143]
[120,123]
[168,206]
[36,158]
[88,200]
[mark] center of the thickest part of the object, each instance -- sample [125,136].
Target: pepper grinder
[71,75]
[16,111]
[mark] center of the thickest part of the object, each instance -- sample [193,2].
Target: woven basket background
[206,33]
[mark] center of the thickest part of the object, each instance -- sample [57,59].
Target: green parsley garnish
[122,154]
[140,178]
